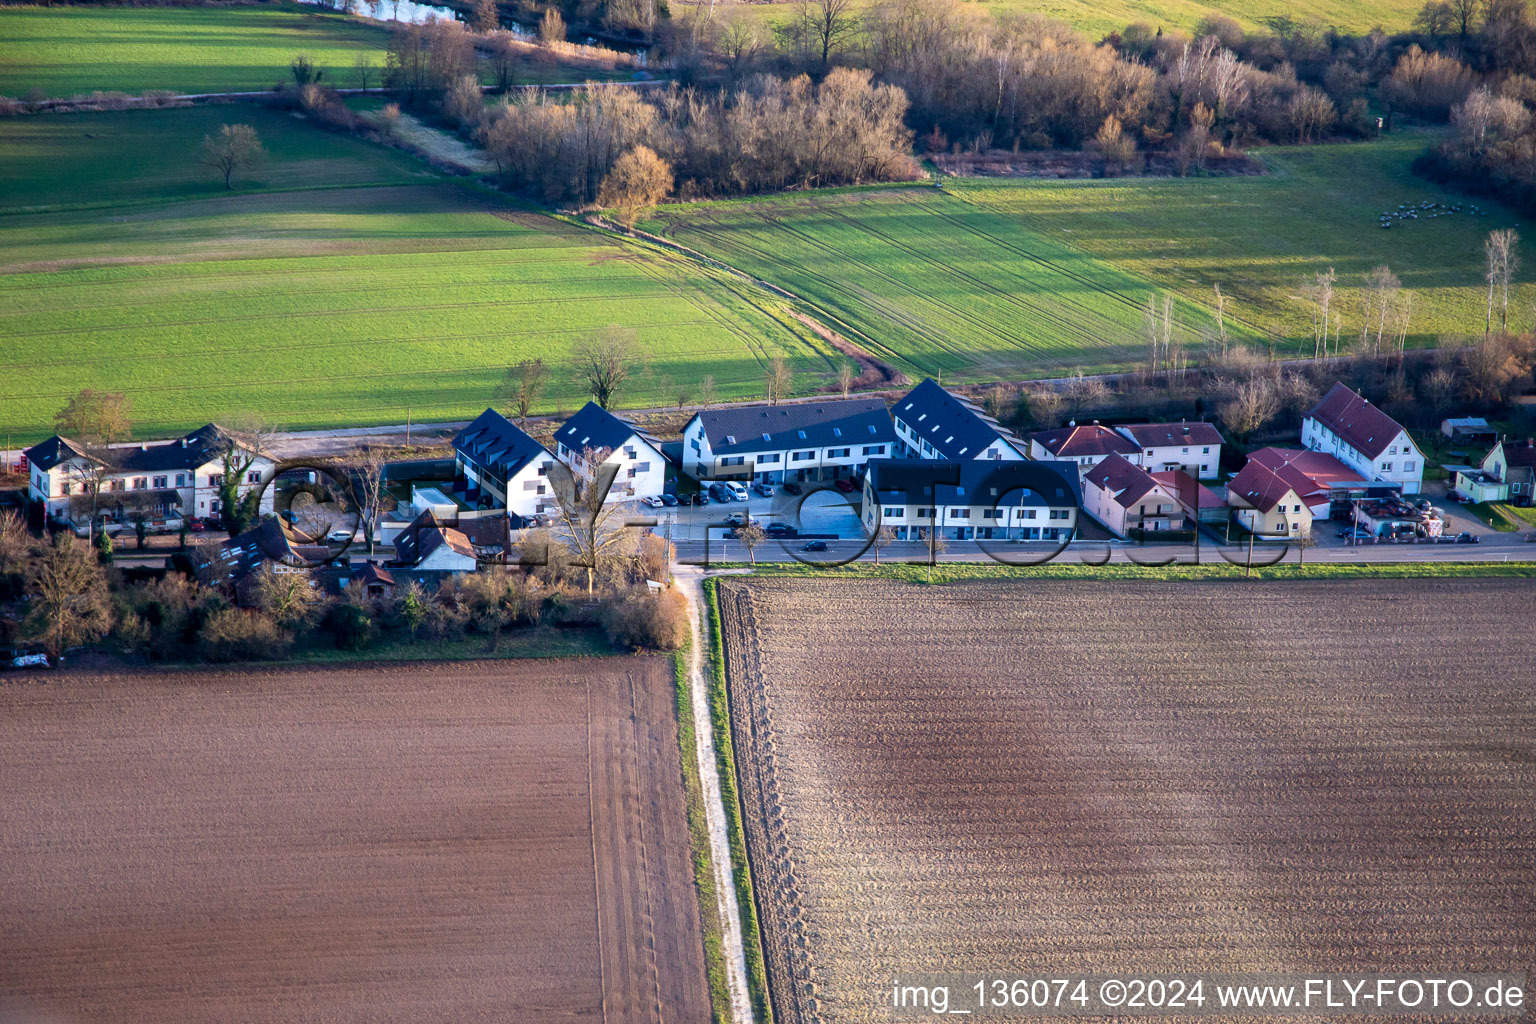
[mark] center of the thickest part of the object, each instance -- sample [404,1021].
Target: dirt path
[688,580]
[442,148]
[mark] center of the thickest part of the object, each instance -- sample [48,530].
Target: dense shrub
[236,634]
[640,618]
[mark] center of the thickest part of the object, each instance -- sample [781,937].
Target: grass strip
[698,841]
[948,572]
[720,721]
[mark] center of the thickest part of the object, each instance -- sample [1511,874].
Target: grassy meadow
[342,283]
[999,277]
[66,51]
[1097,18]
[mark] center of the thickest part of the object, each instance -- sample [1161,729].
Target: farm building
[1351,429]
[1015,500]
[802,441]
[595,435]
[1124,497]
[160,481]
[1193,447]
[1473,430]
[932,423]
[500,467]
[1506,473]
[1086,445]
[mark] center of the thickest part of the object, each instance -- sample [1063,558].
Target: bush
[234,634]
[351,627]
[639,618]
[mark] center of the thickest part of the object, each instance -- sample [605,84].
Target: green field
[997,277]
[342,284]
[1098,18]
[67,51]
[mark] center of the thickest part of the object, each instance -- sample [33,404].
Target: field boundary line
[735,904]
[597,893]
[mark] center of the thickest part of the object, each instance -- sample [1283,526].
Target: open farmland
[68,51]
[1004,277]
[464,841]
[1097,18]
[1050,778]
[342,283]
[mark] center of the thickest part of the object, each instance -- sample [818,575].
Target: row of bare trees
[768,134]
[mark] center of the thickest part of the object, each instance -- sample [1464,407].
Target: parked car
[737,490]
[29,661]
[701,498]
[654,502]
[815,545]
[790,487]
[341,536]
[780,530]
[669,500]
[845,485]
[1468,538]
[719,492]
[1355,532]
[766,490]
[736,519]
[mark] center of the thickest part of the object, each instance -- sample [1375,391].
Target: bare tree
[522,386]
[1083,392]
[367,485]
[484,16]
[1502,261]
[682,394]
[84,479]
[1379,296]
[244,443]
[96,416]
[1221,318]
[236,147]
[1320,295]
[592,525]
[364,68]
[884,537]
[289,597]
[751,534]
[605,361]
[845,378]
[552,27]
[828,24]
[1254,404]
[639,180]
[71,603]
[708,393]
[778,380]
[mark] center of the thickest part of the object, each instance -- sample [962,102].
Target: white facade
[774,463]
[971,522]
[914,445]
[1200,461]
[64,485]
[1156,510]
[642,469]
[527,493]
[1400,463]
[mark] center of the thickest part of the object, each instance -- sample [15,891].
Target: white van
[738,489]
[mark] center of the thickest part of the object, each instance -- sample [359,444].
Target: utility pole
[407,428]
[1248,569]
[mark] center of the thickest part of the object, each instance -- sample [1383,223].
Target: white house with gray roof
[825,439]
[973,499]
[502,467]
[932,423]
[595,435]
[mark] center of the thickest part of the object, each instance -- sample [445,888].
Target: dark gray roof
[203,445]
[238,557]
[1044,483]
[819,424]
[596,427]
[493,440]
[953,426]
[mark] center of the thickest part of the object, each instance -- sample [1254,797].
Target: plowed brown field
[1062,778]
[486,841]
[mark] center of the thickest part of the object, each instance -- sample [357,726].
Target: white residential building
[595,434]
[502,467]
[801,441]
[1125,497]
[932,423]
[1013,500]
[162,481]
[1364,438]
[1189,447]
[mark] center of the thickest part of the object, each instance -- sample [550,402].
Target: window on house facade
[140,483]
[1407,467]
[629,452]
[838,453]
[802,456]
[214,479]
[959,513]
[734,460]
[181,479]
[894,513]
[874,449]
[767,458]
[695,443]
[1024,513]
[159,482]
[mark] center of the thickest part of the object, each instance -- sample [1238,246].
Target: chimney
[183,442]
[143,446]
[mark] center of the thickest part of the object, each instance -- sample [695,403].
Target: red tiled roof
[1128,482]
[1080,441]
[1358,422]
[1321,469]
[1164,435]
[1263,487]
[1188,491]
